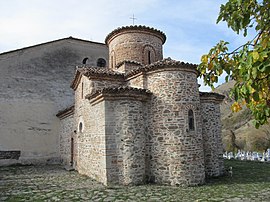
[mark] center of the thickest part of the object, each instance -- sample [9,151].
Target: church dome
[140,44]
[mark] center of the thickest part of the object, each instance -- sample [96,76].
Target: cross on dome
[133,19]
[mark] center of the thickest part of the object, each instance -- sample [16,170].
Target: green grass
[250,182]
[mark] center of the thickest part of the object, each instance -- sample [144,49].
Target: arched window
[191,125]
[149,57]
[80,127]
[84,60]
[101,62]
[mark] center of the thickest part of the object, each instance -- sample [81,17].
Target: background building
[34,85]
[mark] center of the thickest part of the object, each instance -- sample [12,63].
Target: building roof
[54,41]
[105,73]
[119,93]
[133,28]
[211,96]
[133,62]
[162,64]
[95,72]
[88,71]
[117,90]
[65,112]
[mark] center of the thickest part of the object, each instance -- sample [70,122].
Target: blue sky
[190,26]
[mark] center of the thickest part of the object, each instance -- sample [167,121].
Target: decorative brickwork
[138,122]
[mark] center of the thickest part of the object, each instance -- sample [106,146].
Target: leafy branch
[248,64]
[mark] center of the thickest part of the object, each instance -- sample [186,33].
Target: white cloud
[26,22]
[189,25]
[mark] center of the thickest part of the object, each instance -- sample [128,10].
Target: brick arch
[148,55]
[188,107]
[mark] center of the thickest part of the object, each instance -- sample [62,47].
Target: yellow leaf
[204,59]
[210,66]
[255,56]
[213,78]
[220,71]
[264,42]
[236,107]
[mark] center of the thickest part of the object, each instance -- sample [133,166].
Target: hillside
[238,131]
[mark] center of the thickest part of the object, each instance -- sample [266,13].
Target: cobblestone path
[53,183]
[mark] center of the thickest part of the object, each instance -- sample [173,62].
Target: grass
[250,182]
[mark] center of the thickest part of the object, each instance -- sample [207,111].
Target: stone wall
[139,81]
[66,134]
[91,158]
[90,133]
[126,133]
[91,144]
[176,153]
[211,131]
[34,86]
[85,87]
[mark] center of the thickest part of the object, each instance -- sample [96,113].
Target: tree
[249,64]
[233,142]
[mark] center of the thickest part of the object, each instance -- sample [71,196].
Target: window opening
[191,125]
[149,57]
[84,60]
[72,151]
[101,62]
[80,127]
[148,54]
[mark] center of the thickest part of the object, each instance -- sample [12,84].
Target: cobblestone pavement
[53,183]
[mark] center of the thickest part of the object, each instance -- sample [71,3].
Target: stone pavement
[53,183]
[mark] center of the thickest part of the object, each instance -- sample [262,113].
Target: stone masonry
[211,133]
[141,118]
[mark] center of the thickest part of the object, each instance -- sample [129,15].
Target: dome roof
[135,28]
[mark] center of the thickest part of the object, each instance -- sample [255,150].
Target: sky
[190,26]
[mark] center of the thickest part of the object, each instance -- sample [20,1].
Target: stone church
[142,118]
[132,118]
